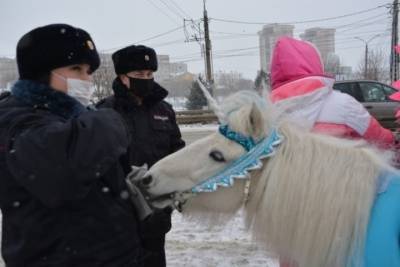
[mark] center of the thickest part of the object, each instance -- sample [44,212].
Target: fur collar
[37,95]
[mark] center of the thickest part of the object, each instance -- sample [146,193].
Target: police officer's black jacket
[152,125]
[154,135]
[62,191]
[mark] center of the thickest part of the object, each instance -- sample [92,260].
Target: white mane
[310,202]
[313,199]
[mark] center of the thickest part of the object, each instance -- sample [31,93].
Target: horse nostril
[147,180]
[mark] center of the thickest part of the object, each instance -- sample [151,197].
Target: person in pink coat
[297,76]
[297,73]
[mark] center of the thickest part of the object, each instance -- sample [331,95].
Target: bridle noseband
[238,169]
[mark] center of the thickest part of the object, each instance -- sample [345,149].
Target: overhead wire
[162,11]
[145,40]
[304,21]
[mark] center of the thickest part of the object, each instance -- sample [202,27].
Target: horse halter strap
[239,169]
[246,142]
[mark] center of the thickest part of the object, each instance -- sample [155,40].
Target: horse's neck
[287,210]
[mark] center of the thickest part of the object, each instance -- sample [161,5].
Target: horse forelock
[237,109]
[244,98]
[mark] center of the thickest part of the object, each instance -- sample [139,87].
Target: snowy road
[191,133]
[190,244]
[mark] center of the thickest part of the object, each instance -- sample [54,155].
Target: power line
[236,33]
[159,35]
[352,33]
[365,25]
[362,20]
[216,51]
[351,26]
[179,8]
[176,41]
[255,34]
[348,25]
[162,11]
[303,21]
[144,40]
[172,10]
[192,59]
[323,44]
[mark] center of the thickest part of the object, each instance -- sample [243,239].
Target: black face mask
[141,87]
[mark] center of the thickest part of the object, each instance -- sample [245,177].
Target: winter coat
[62,191]
[154,135]
[297,76]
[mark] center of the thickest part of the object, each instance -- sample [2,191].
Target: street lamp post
[366,52]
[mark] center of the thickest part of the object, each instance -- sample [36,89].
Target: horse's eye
[217,156]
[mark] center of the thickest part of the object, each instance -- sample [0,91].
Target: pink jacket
[297,76]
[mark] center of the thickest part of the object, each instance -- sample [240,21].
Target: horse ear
[256,122]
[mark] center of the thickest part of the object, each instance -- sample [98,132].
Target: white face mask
[81,90]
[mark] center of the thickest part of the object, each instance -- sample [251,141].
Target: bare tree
[103,78]
[262,77]
[332,64]
[230,82]
[377,67]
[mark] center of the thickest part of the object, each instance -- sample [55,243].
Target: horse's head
[246,115]
[312,193]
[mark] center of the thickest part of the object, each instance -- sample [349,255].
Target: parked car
[375,98]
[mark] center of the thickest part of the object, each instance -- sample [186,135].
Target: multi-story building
[8,72]
[323,39]
[167,69]
[267,38]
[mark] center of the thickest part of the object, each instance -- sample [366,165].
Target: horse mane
[312,200]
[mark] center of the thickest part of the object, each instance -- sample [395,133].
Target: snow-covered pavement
[190,244]
[193,132]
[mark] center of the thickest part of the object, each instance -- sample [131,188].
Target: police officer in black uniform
[63,194]
[152,125]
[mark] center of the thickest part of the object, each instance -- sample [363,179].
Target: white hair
[312,201]
[309,203]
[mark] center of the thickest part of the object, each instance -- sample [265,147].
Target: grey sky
[118,23]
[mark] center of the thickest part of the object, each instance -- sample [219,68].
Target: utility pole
[366,61]
[394,57]
[366,52]
[208,54]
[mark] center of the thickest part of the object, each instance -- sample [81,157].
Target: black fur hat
[134,57]
[53,46]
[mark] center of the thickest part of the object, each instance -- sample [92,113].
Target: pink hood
[294,59]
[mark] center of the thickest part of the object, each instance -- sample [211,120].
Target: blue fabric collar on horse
[246,142]
[37,94]
[239,168]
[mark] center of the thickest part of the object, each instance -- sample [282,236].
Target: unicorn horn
[212,102]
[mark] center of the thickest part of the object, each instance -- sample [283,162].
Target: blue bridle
[245,141]
[239,168]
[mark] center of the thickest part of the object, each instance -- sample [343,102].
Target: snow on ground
[193,132]
[190,244]
[198,127]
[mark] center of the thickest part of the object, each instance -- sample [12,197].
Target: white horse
[314,199]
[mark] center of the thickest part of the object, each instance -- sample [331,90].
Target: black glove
[157,224]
